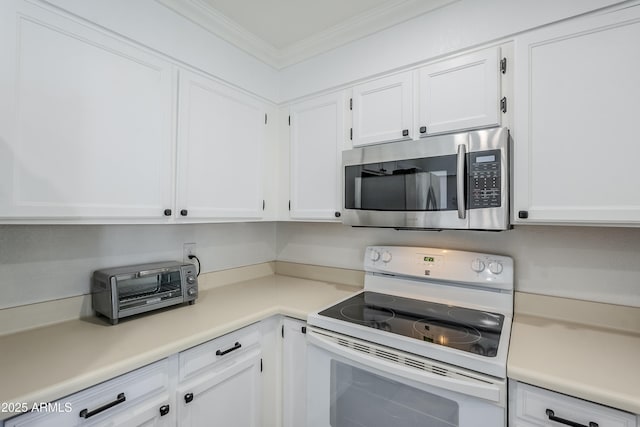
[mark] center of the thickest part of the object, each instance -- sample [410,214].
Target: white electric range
[425,343]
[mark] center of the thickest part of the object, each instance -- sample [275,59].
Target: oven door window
[424,184]
[362,398]
[148,289]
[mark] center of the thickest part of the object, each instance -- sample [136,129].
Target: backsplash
[47,262]
[42,263]
[589,263]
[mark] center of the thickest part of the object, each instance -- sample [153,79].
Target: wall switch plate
[188,249]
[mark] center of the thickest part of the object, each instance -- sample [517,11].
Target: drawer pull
[188,398]
[552,417]
[229,350]
[85,413]
[164,410]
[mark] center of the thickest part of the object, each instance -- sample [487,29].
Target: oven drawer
[218,351]
[534,406]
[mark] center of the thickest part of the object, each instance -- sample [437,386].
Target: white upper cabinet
[460,93]
[317,132]
[383,110]
[576,151]
[85,122]
[221,138]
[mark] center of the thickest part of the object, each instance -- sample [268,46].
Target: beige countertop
[581,349]
[48,363]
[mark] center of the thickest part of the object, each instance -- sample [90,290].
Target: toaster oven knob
[477,265]
[375,255]
[386,257]
[192,292]
[495,267]
[191,280]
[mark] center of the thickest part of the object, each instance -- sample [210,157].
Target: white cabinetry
[460,93]
[294,373]
[577,90]
[536,407]
[220,382]
[85,121]
[317,132]
[383,110]
[221,139]
[135,399]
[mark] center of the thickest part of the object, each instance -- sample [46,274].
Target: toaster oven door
[147,290]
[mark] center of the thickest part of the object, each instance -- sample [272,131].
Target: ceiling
[284,32]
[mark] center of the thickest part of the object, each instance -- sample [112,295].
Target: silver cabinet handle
[460,178]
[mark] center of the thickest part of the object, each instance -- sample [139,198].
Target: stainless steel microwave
[458,181]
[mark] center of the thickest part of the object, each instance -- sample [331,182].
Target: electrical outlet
[188,249]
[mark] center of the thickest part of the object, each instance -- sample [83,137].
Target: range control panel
[441,264]
[484,179]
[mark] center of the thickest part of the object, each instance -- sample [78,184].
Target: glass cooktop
[464,329]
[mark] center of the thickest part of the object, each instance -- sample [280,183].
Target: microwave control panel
[485,179]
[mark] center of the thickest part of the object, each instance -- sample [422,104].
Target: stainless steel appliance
[425,343]
[124,291]
[458,181]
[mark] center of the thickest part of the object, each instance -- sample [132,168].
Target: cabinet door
[85,121]
[460,93]
[294,373]
[227,396]
[383,110]
[317,129]
[220,151]
[577,91]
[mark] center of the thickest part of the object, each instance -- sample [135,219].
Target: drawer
[113,396]
[537,407]
[218,351]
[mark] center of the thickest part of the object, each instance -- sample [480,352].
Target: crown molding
[362,25]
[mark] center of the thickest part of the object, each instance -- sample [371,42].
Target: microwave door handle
[460,178]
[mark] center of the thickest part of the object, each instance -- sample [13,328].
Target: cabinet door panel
[86,122]
[294,374]
[225,397]
[220,140]
[460,93]
[317,128]
[578,95]
[383,110]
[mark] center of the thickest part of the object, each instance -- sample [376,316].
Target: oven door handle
[487,391]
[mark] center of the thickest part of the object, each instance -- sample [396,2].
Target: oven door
[353,383]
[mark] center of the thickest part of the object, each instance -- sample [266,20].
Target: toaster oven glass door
[148,287]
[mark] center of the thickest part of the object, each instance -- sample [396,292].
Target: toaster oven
[124,291]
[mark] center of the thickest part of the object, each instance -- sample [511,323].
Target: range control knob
[477,265]
[191,292]
[374,256]
[191,279]
[495,267]
[386,257]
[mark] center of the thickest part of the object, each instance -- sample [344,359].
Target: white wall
[41,263]
[461,25]
[589,263]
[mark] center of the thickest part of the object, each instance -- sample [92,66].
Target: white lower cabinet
[294,373]
[531,406]
[139,398]
[238,379]
[220,381]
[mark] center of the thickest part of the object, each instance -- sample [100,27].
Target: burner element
[366,314]
[478,319]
